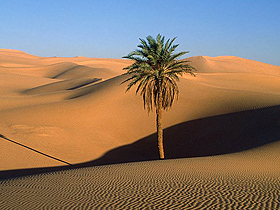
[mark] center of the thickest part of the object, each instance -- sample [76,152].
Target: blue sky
[112,28]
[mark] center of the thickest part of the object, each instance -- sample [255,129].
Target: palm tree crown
[156,70]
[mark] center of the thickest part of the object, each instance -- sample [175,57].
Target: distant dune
[76,110]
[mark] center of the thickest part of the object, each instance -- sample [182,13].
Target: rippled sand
[173,184]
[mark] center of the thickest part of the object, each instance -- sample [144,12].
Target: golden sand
[220,182]
[76,110]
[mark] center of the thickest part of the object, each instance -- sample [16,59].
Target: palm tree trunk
[159,126]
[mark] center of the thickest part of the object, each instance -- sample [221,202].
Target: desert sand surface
[245,180]
[55,111]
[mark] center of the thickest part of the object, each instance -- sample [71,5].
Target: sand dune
[61,86]
[16,58]
[77,110]
[95,117]
[232,64]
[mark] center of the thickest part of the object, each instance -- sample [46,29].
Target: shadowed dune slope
[255,133]
[63,112]
[221,134]
[61,86]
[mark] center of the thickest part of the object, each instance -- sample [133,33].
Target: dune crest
[232,64]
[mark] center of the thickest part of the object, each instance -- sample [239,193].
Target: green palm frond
[156,70]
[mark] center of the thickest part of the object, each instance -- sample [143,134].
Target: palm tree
[156,71]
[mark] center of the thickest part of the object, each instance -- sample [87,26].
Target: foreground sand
[247,180]
[60,111]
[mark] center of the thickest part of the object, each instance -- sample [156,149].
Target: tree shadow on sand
[216,135]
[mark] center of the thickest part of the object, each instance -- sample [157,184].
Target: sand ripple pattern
[143,185]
